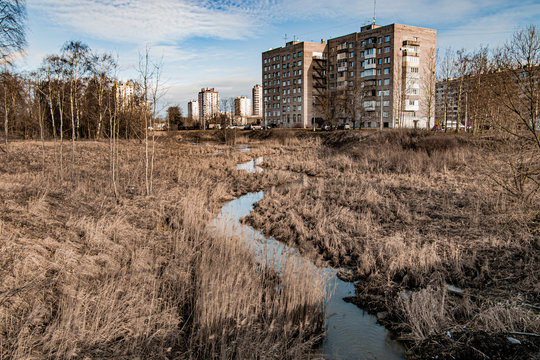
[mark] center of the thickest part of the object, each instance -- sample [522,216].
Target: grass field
[439,232]
[86,275]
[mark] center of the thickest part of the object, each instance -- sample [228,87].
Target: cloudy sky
[219,43]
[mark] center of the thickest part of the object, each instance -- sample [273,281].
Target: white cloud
[143,21]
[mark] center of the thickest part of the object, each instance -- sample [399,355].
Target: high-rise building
[193,110]
[124,93]
[288,83]
[208,104]
[257,97]
[375,78]
[242,106]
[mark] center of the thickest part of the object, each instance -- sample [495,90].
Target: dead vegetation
[412,214]
[85,275]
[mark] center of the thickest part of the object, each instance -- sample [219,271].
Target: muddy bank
[409,217]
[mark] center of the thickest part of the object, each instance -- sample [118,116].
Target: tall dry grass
[85,275]
[411,211]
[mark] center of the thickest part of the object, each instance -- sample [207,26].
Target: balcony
[342,68]
[370,105]
[370,66]
[342,47]
[370,56]
[341,56]
[411,43]
[410,60]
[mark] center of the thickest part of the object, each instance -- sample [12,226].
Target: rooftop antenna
[294,37]
[374,11]
[285,37]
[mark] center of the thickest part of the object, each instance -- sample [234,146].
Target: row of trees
[485,89]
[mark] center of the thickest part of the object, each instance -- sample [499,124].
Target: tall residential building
[380,72]
[242,106]
[208,104]
[193,110]
[124,93]
[287,83]
[257,100]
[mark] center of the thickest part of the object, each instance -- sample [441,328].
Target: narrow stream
[351,332]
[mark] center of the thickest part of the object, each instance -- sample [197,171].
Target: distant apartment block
[124,93]
[193,110]
[242,106]
[257,98]
[208,104]
[380,70]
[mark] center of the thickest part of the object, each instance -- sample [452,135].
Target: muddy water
[351,332]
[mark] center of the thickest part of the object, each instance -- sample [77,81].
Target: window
[265,60]
[387,38]
[300,63]
[300,72]
[299,54]
[294,81]
[265,83]
[414,69]
[386,81]
[265,76]
[351,63]
[288,82]
[386,103]
[351,73]
[379,82]
[331,67]
[294,56]
[380,40]
[351,55]
[294,91]
[387,70]
[299,81]
[380,61]
[386,92]
[385,114]
[277,58]
[387,49]
[387,60]
[288,56]
[361,54]
[364,43]
[379,51]
[351,45]
[294,63]
[284,66]
[299,107]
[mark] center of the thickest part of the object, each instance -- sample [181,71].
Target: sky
[218,44]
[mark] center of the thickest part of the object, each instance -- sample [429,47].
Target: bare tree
[518,83]
[75,58]
[354,105]
[428,83]
[447,71]
[102,66]
[461,64]
[13,34]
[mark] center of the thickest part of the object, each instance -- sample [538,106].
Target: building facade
[373,78]
[124,93]
[193,110]
[242,106]
[287,83]
[257,99]
[208,104]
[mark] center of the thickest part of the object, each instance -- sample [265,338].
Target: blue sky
[219,43]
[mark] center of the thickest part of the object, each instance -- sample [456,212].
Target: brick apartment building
[382,70]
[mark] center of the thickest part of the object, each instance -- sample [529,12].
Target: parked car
[326,127]
[344,127]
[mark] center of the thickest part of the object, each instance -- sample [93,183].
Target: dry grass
[86,276]
[412,211]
